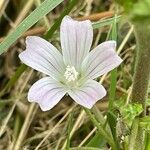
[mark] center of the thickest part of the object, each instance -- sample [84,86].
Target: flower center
[71,74]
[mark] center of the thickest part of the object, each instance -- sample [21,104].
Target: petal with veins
[43,56]
[88,94]
[101,60]
[76,39]
[46,92]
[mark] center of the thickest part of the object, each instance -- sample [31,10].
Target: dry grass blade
[3,5]
[29,117]
[24,12]
[125,40]
[61,120]
[87,137]
[77,124]
[6,120]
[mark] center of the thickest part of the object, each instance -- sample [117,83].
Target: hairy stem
[142,68]
[142,73]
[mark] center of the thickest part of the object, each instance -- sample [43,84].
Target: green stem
[142,72]
[100,128]
[98,115]
[142,66]
[147,143]
[134,132]
[112,88]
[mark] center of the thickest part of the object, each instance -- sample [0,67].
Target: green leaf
[97,141]
[112,120]
[29,21]
[130,111]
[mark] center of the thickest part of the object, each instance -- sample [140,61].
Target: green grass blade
[101,129]
[112,119]
[29,21]
[97,141]
[105,22]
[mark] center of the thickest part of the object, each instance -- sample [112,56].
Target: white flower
[72,71]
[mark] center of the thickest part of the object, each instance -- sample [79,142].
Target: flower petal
[101,60]
[43,57]
[88,94]
[46,92]
[76,39]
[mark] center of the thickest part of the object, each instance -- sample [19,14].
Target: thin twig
[4,124]
[97,16]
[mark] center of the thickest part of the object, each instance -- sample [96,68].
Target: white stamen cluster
[71,74]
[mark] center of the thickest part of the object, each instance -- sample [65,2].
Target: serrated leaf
[130,111]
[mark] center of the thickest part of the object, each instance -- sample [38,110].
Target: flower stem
[100,128]
[142,66]
[142,72]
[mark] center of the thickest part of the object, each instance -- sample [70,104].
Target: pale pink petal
[101,60]
[42,56]
[88,94]
[46,92]
[76,39]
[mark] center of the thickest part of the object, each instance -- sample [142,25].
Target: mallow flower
[73,71]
